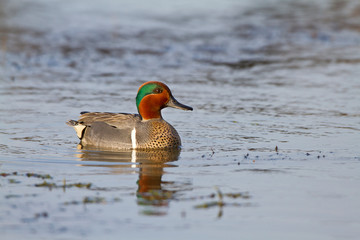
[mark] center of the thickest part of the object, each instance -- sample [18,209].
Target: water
[261,75]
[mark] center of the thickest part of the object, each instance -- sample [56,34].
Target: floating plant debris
[42,176]
[70,185]
[13,181]
[92,200]
[220,202]
[8,174]
[35,175]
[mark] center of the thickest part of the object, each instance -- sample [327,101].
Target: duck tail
[72,123]
[79,128]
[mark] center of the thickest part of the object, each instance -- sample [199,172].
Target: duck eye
[157,90]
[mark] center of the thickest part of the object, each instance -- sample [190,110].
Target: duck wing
[105,130]
[118,120]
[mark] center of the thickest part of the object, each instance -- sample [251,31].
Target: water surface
[271,149]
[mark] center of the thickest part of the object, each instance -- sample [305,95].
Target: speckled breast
[157,134]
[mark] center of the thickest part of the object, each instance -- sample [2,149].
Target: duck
[145,130]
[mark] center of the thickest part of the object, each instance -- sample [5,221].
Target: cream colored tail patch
[79,130]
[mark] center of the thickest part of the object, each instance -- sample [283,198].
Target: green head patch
[151,88]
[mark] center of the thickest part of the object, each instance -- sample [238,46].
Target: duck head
[154,96]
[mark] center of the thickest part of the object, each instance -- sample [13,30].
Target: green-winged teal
[146,130]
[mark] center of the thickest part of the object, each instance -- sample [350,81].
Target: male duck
[146,130]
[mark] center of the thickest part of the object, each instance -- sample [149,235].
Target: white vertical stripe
[133,138]
[133,158]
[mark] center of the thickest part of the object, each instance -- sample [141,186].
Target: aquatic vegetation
[29,175]
[64,186]
[42,176]
[220,201]
[93,200]
[8,174]
[13,181]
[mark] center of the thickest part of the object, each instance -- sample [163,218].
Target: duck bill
[175,104]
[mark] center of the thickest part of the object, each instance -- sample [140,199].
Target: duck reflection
[152,192]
